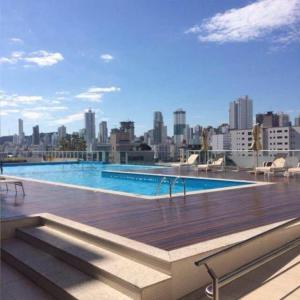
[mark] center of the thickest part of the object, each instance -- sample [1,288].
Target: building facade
[90,130]
[62,132]
[128,126]
[35,135]
[179,126]
[103,133]
[241,113]
[158,128]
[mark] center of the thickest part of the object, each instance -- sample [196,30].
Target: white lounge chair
[293,171]
[13,182]
[191,161]
[215,165]
[278,165]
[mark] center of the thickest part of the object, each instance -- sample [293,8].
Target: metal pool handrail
[168,180]
[212,291]
[183,182]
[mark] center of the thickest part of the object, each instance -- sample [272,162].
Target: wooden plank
[162,223]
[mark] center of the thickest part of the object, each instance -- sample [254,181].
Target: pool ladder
[171,185]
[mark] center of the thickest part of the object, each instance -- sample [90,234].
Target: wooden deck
[163,223]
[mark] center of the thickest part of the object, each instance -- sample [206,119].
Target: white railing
[245,158]
[38,156]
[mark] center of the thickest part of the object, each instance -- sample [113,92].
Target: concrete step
[147,255]
[55,276]
[128,276]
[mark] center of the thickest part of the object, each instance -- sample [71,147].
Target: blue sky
[126,59]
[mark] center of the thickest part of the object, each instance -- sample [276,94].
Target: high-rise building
[197,134]
[90,134]
[187,134]
[36,135]
[62,132]
[241,113]
[128,126]
[284,119]
[103,133]
[21,134]
[268,120]
[179,126]
[297,120]
[158,127]
[165,134]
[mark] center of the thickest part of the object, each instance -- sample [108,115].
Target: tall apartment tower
[35,135]
[158,128]
[284,120]
[241,113]
[103,133]
[90,130]
[179,126]
[128,126]
[21,134]
[62,132]
[297,120]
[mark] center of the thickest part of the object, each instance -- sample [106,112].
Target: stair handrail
[212,291]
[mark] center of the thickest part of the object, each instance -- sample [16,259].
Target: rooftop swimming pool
[121,179]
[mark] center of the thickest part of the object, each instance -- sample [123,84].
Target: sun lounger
[13,182]
[191,161]
[293,171]
[215,165]
[278,165]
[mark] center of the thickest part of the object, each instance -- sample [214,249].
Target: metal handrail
[168,180]
[183,182]
[212,291]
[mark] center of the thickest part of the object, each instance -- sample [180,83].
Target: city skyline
[122,64]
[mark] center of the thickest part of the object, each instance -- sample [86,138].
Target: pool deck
[163,223]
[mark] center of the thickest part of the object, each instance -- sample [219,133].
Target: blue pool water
[111,177]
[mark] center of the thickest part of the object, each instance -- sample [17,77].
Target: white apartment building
[241,140]
[220,142]
[274,139]
[283,138]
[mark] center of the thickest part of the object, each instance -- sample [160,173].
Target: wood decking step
[94,260]
[57,277]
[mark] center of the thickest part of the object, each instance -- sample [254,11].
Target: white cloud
[5,112]
[43,58]
[62,93]
[39,58]
[95,94]
[251,22]
[6,103]
[7,100]
[55,102]
[107,57]
[33,115]
[49,108]
[16,40]
[26,99]
[70,118]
